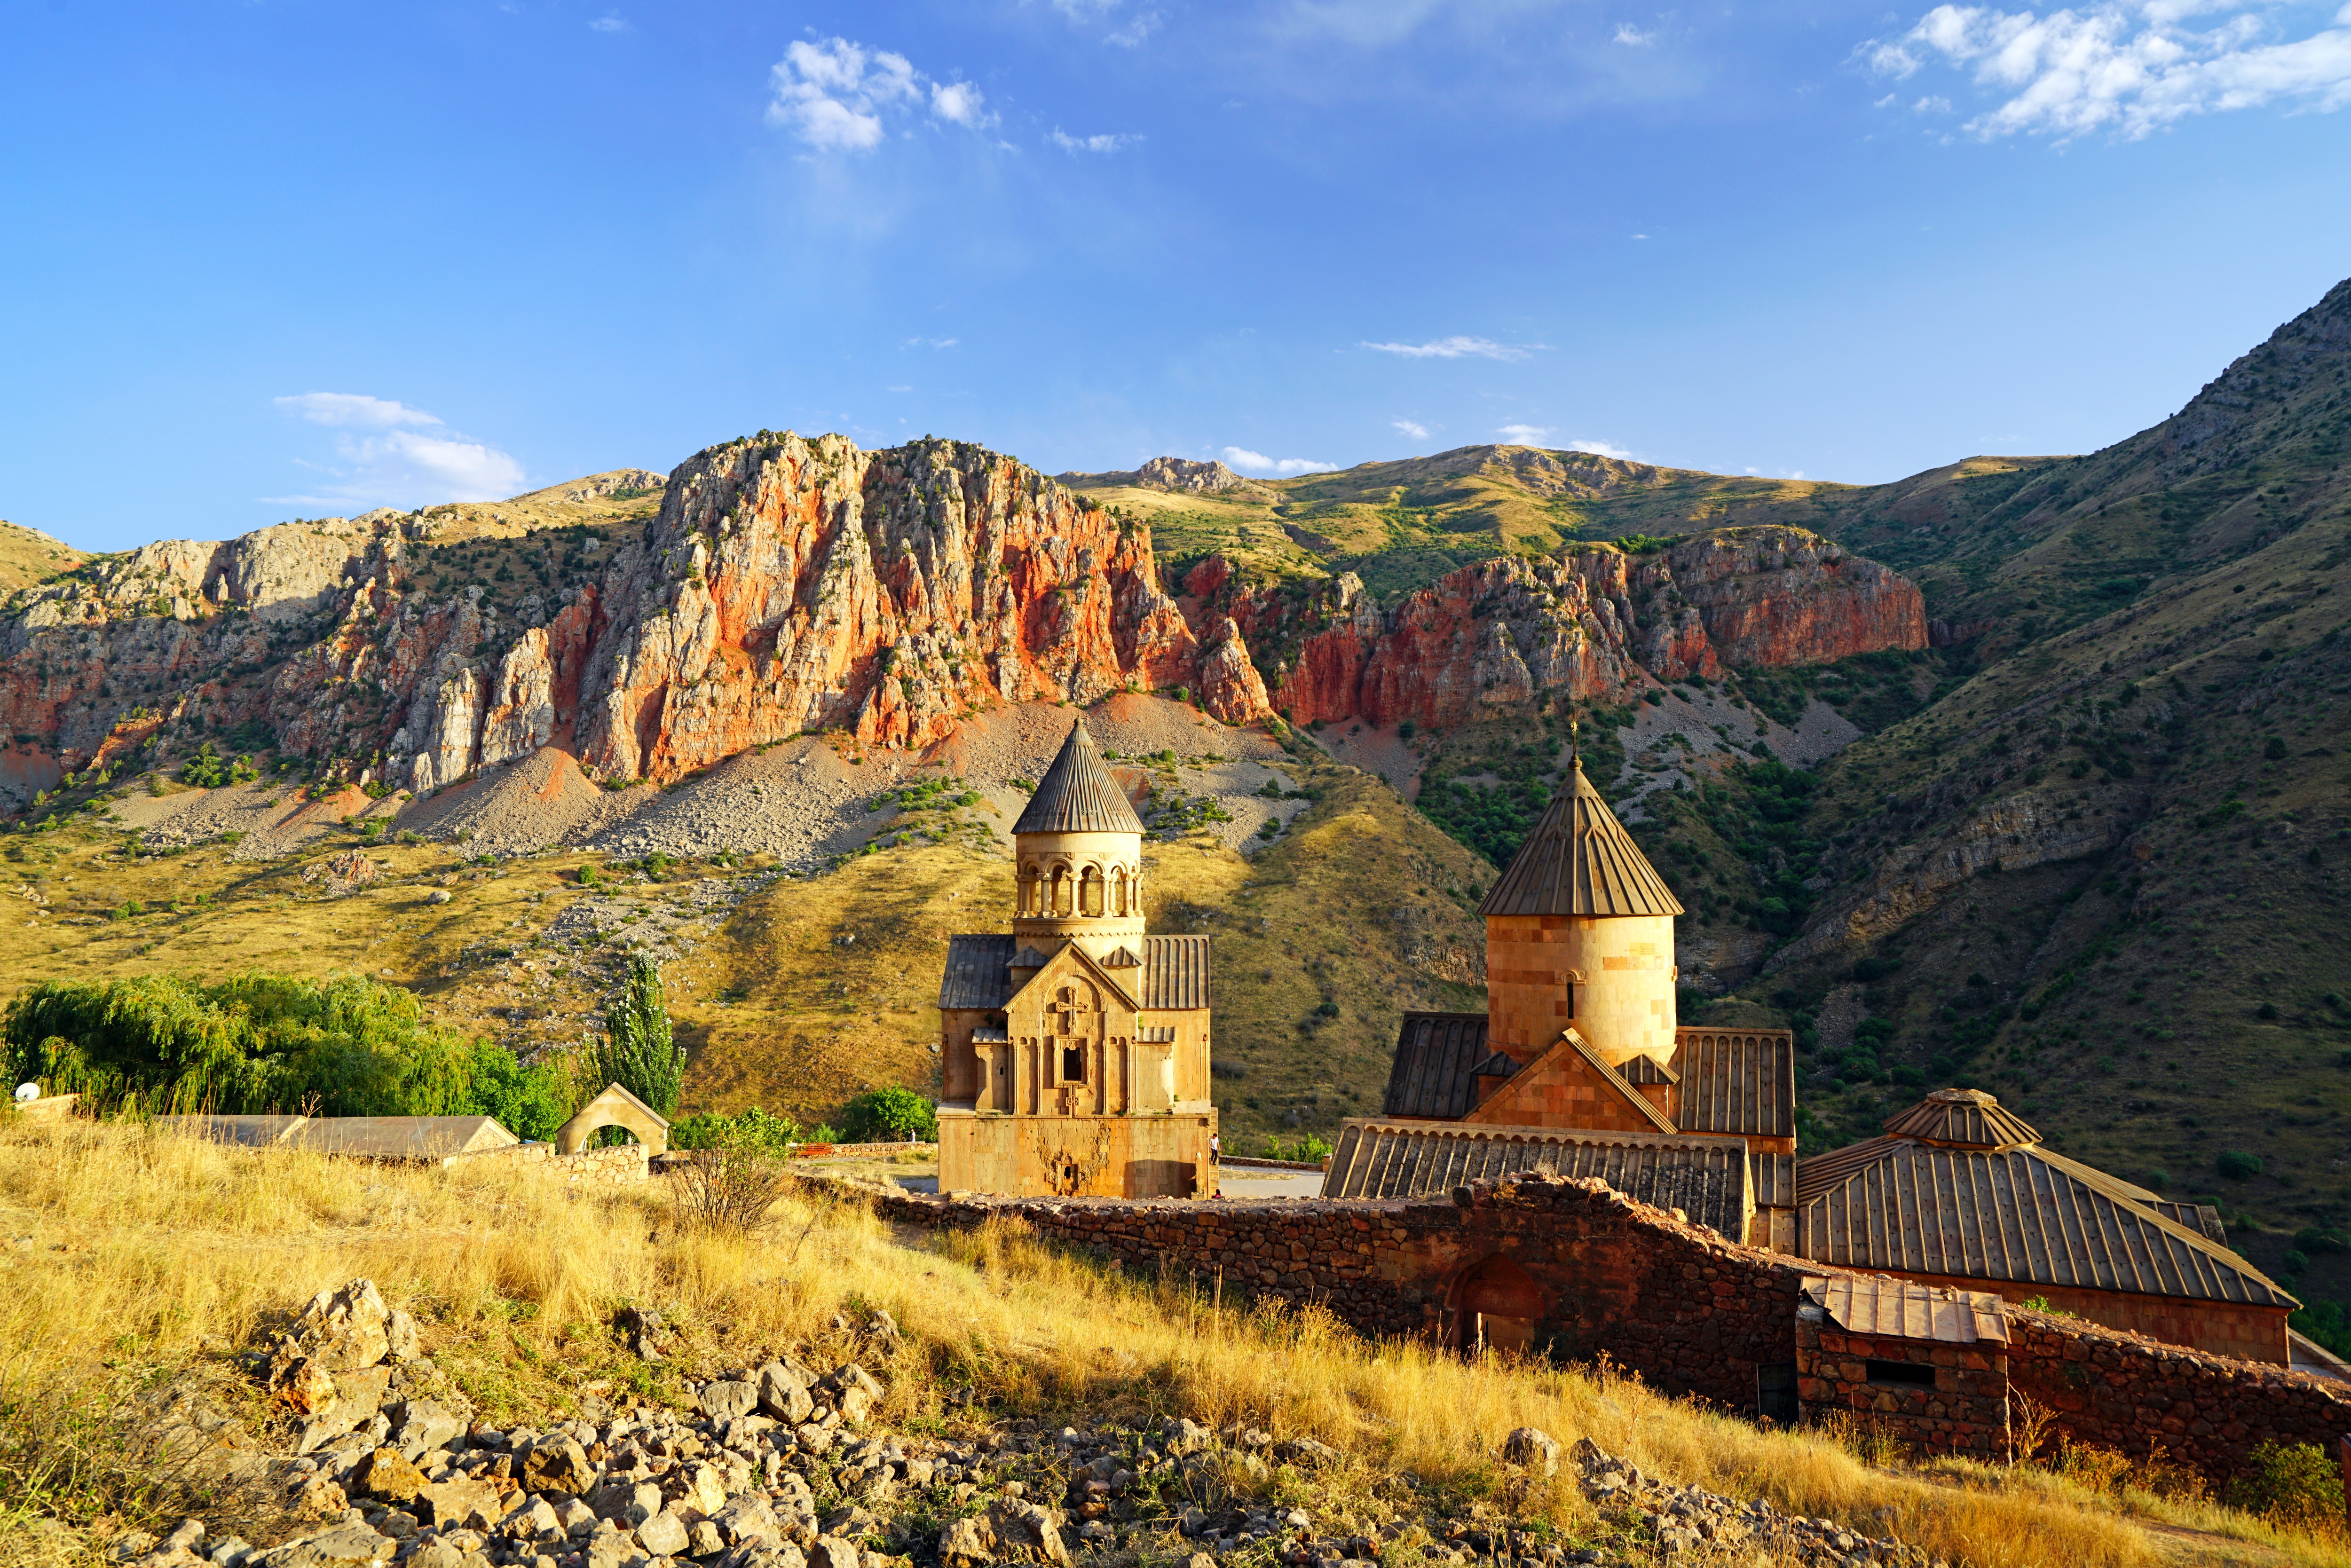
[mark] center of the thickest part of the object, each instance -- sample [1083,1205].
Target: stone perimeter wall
[624,1165]
[1690,1313]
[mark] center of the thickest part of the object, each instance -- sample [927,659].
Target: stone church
[1075,1049]
[1580,1065]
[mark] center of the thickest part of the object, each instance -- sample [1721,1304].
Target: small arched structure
[614,1107]
[1495,1303]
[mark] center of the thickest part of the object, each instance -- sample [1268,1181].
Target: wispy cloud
[1411,427]
[1105,144]
[1628,34]
[1524,434]
[1599,448]
[389,454]
[1132,34]
[1243,460]
[837,96]
[1455,349]
[932,343]
[609,22]
[2129,66]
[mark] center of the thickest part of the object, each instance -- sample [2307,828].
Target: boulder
[1535,1449]
[724,1400]
[966,1540]
[749,1521]
[696,1490]
[399,1337]
[342,1331]
[344,1544]
[855,1393]
[460,1505]
[627,1503]
[664,1535]
[1011,1531]
[420,1425]
[833,1551]
[784,1395]
[387,1474]
[557,1463]
[533,1520]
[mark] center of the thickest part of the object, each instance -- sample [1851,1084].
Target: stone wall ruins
[1689,1311]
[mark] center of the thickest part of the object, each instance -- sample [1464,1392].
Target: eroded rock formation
[790,585]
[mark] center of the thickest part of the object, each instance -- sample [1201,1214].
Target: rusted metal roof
[1962,1118]
[1705,1178]
[2016,1214]
[1737,1081]
[1432,1074]
[1175,973]
[1903,1309]
[978,971]
[1579,860]
[1078,794]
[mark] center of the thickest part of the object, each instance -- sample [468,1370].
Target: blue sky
[294,257]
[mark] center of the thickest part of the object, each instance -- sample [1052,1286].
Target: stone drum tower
[1074,1050]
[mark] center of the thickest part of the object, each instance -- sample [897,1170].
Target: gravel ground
[273,817]
[1380,751]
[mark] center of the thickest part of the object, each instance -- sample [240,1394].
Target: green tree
[890,1115]
[636,1051]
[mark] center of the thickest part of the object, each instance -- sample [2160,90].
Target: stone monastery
[1076,1063]
[1075,1050]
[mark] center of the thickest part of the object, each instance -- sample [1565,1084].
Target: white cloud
[1456,348]
[1106,143]
[406,456]
[959,101]
[1411,427]
[1628,34]
[1640,237]
[1523,434]
[2129,66]
[609,22]
[837,96]
[1132,34]
[1599,448]
[353,411]
[1246,462]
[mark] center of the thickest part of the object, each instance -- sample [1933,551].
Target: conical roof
[1078,794]
[1964,1119]
[1579,860]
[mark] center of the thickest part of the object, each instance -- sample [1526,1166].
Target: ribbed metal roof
[1648,1069]
[1175,972]
[1408,1159]
[1737,1081]
[978,973]
[1904,1309]
[1431,1073]
[1078,795]
[1579,860]
[1774,1177]
[399,1138]
[2015,1214]
[1962,1118]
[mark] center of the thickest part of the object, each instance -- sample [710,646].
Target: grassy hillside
[28,555]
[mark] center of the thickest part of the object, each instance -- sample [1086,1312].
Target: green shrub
[2297,1485]
[890,1115]
[751,1128]
[2237,1165]
[2319,1239]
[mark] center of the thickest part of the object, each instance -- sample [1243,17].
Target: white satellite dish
[28,1092]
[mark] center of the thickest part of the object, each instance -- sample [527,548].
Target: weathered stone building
[1581,1067]
[1075,1049]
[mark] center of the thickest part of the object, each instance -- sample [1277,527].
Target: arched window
[1090,894]
[1118,889]
[1061,900]
[1027,895]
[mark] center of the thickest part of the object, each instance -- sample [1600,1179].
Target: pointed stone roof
[1963,1119]
[1579,860]
[1078,794]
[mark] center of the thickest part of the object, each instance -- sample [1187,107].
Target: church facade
[1074,1049]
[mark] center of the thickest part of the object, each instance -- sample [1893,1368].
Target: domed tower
[1580,930]
[1079,852]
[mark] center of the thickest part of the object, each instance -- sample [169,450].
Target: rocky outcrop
[1601,623]
[790,586]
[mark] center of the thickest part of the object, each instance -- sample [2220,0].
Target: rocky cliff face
[790,585]
[1601,623]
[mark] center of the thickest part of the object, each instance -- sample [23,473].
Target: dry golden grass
[152,1253]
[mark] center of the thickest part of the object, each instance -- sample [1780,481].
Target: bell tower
[1078,849]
